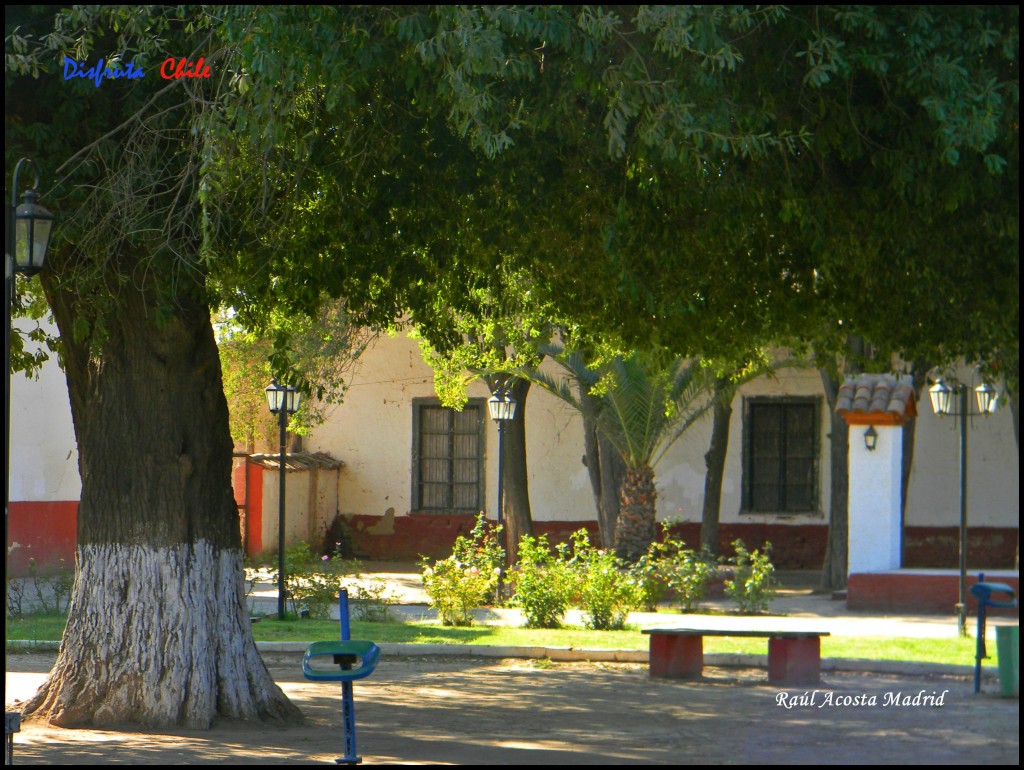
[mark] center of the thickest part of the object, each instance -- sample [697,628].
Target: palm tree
[641,409]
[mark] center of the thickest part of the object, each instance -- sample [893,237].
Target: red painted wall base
[920,592]
[46,532]
[43,532]
[794,547]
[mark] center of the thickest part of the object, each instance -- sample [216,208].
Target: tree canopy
[674,176]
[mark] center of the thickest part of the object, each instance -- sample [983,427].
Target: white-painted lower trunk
[159,636]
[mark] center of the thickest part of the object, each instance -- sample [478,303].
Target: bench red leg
[794,661]
[677,657]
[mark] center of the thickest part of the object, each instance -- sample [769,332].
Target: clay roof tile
[868,398]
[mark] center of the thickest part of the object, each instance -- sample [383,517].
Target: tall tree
[714,459]
[159,633]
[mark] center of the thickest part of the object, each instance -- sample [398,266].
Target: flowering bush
[312,584]
[607,593]
[371,601]
[465,580]
[544,583]
[753,583]
[456,589]
[687,576]
[670,565]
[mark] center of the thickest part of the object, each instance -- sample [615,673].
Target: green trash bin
[1008,647]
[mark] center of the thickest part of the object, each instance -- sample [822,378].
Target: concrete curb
[569,654]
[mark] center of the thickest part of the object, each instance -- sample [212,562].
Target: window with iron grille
[780,455]
[448,457]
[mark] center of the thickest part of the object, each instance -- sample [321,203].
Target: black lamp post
[283,401]
[942,404]
[502,407]
[27,231]
[26,240]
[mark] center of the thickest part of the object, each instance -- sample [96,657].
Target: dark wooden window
[448,457]
[780,457]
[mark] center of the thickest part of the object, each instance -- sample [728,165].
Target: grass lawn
[949,651]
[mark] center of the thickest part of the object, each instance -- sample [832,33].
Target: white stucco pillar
[874,501]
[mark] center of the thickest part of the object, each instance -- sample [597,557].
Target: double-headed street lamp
[283,401]
[502,406]
[942,398]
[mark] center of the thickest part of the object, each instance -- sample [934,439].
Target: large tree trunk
[714,460]
[606,470]
[517,517]
[834,568]
[637,512]
[158,632]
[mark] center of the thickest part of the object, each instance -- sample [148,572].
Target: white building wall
[875,533]
[311,500]
[44,454]
[372,433]
[993,471]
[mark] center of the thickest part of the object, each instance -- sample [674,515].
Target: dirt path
[463,711]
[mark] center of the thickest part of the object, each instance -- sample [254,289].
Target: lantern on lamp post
[283,401]
[27,230]
[954,401]
[502,407]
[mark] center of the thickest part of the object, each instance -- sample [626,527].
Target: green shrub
[688,575]
[371,601]
[312,584]
[465,580]
[670,565]
[606,592]
[456,589]
[544,583]
[753,584]
[649,579]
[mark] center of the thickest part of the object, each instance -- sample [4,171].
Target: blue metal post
[348,706]
[343,614]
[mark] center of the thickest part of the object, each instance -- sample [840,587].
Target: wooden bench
[794,657]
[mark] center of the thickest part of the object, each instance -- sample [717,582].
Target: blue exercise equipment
[983,592]
[355,659]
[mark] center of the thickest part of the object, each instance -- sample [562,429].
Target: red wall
[409,537]
[44,531]
[253,523]
[940,547]
[920,593]
[793,547]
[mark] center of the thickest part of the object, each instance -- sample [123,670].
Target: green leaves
[642,409]
[687,177]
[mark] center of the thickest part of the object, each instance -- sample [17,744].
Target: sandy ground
[474,711]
